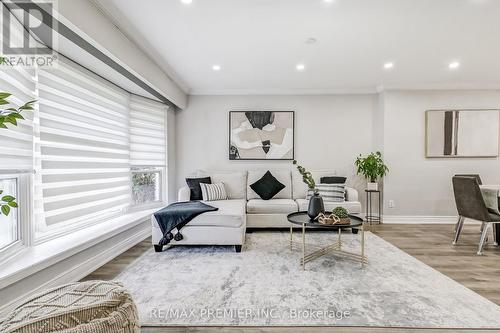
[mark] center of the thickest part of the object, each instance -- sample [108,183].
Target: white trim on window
[24,216]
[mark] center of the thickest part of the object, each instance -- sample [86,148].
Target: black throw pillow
[267,187]
[194,186]
[333,180]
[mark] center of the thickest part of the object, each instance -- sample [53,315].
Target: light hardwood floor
[430,244]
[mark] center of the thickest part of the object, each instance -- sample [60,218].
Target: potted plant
[372,167]
[342,214]
[10,116]
[316,205]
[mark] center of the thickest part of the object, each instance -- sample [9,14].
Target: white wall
[329,131]
[171,149]
[421,186]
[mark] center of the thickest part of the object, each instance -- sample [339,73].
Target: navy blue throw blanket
[176,216]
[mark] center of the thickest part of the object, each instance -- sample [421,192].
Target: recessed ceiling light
[300,67]
[389,65]
[454,65]
[311,40]
[187,2]
[328,1]
[216,67]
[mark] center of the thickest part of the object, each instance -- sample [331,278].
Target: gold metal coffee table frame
[334,248]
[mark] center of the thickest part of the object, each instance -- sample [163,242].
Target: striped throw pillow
[212,192]
[329,192]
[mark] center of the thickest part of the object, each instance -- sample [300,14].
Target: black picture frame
[231,156]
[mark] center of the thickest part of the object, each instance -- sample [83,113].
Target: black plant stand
[373,216]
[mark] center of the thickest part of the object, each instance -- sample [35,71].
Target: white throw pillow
[329,192]
[213,192]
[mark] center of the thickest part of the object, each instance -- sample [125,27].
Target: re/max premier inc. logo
[28,33]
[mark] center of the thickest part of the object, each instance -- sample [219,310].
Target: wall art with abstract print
[462,133]
[261,135]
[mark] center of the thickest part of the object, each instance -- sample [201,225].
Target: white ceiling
[258,43]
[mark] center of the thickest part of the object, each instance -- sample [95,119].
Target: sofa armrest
[351,194]
[184,194]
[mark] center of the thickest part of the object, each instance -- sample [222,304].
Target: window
[88,152]
[16,154]
[146,186]
[9,224]
[84,140]
[148,156]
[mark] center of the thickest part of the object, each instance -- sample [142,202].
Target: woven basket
[82,307]
[344,221]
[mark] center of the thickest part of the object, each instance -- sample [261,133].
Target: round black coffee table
[302,219]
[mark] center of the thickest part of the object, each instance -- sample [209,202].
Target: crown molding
[222,92]
[444,86]
[344,91]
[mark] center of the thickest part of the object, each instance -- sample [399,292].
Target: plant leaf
[3,102]
[5,210]
[1,191]
[4,95]
[13,204]
[11,120]
[16,115]
[8,198]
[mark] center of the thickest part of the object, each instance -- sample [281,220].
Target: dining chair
[480,182]
[470,204]
[474,175]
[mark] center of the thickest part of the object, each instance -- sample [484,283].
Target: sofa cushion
[267,187]
[273,206]
[195,188]
[213,192]
[283,176]
[231,213]
[329,192]
[332,180]
[235,182]
[353,207]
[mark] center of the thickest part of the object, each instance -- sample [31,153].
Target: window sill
[33,259]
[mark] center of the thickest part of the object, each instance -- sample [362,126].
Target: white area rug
[265,286]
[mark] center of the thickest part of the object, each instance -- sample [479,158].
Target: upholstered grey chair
[470,204]
[479,181]
[474,175]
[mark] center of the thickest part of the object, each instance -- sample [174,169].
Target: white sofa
[226,226]
[245,209]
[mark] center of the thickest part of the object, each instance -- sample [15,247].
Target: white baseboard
[81,269]
[401,219]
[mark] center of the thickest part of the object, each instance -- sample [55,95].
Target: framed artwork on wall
[462,133]
[261,135]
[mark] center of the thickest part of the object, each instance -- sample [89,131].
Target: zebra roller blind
[17,141]
[84,140]
[147,132]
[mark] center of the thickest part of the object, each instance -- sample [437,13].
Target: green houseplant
[10,115]
[307,177]
[372,167]
[316,205]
